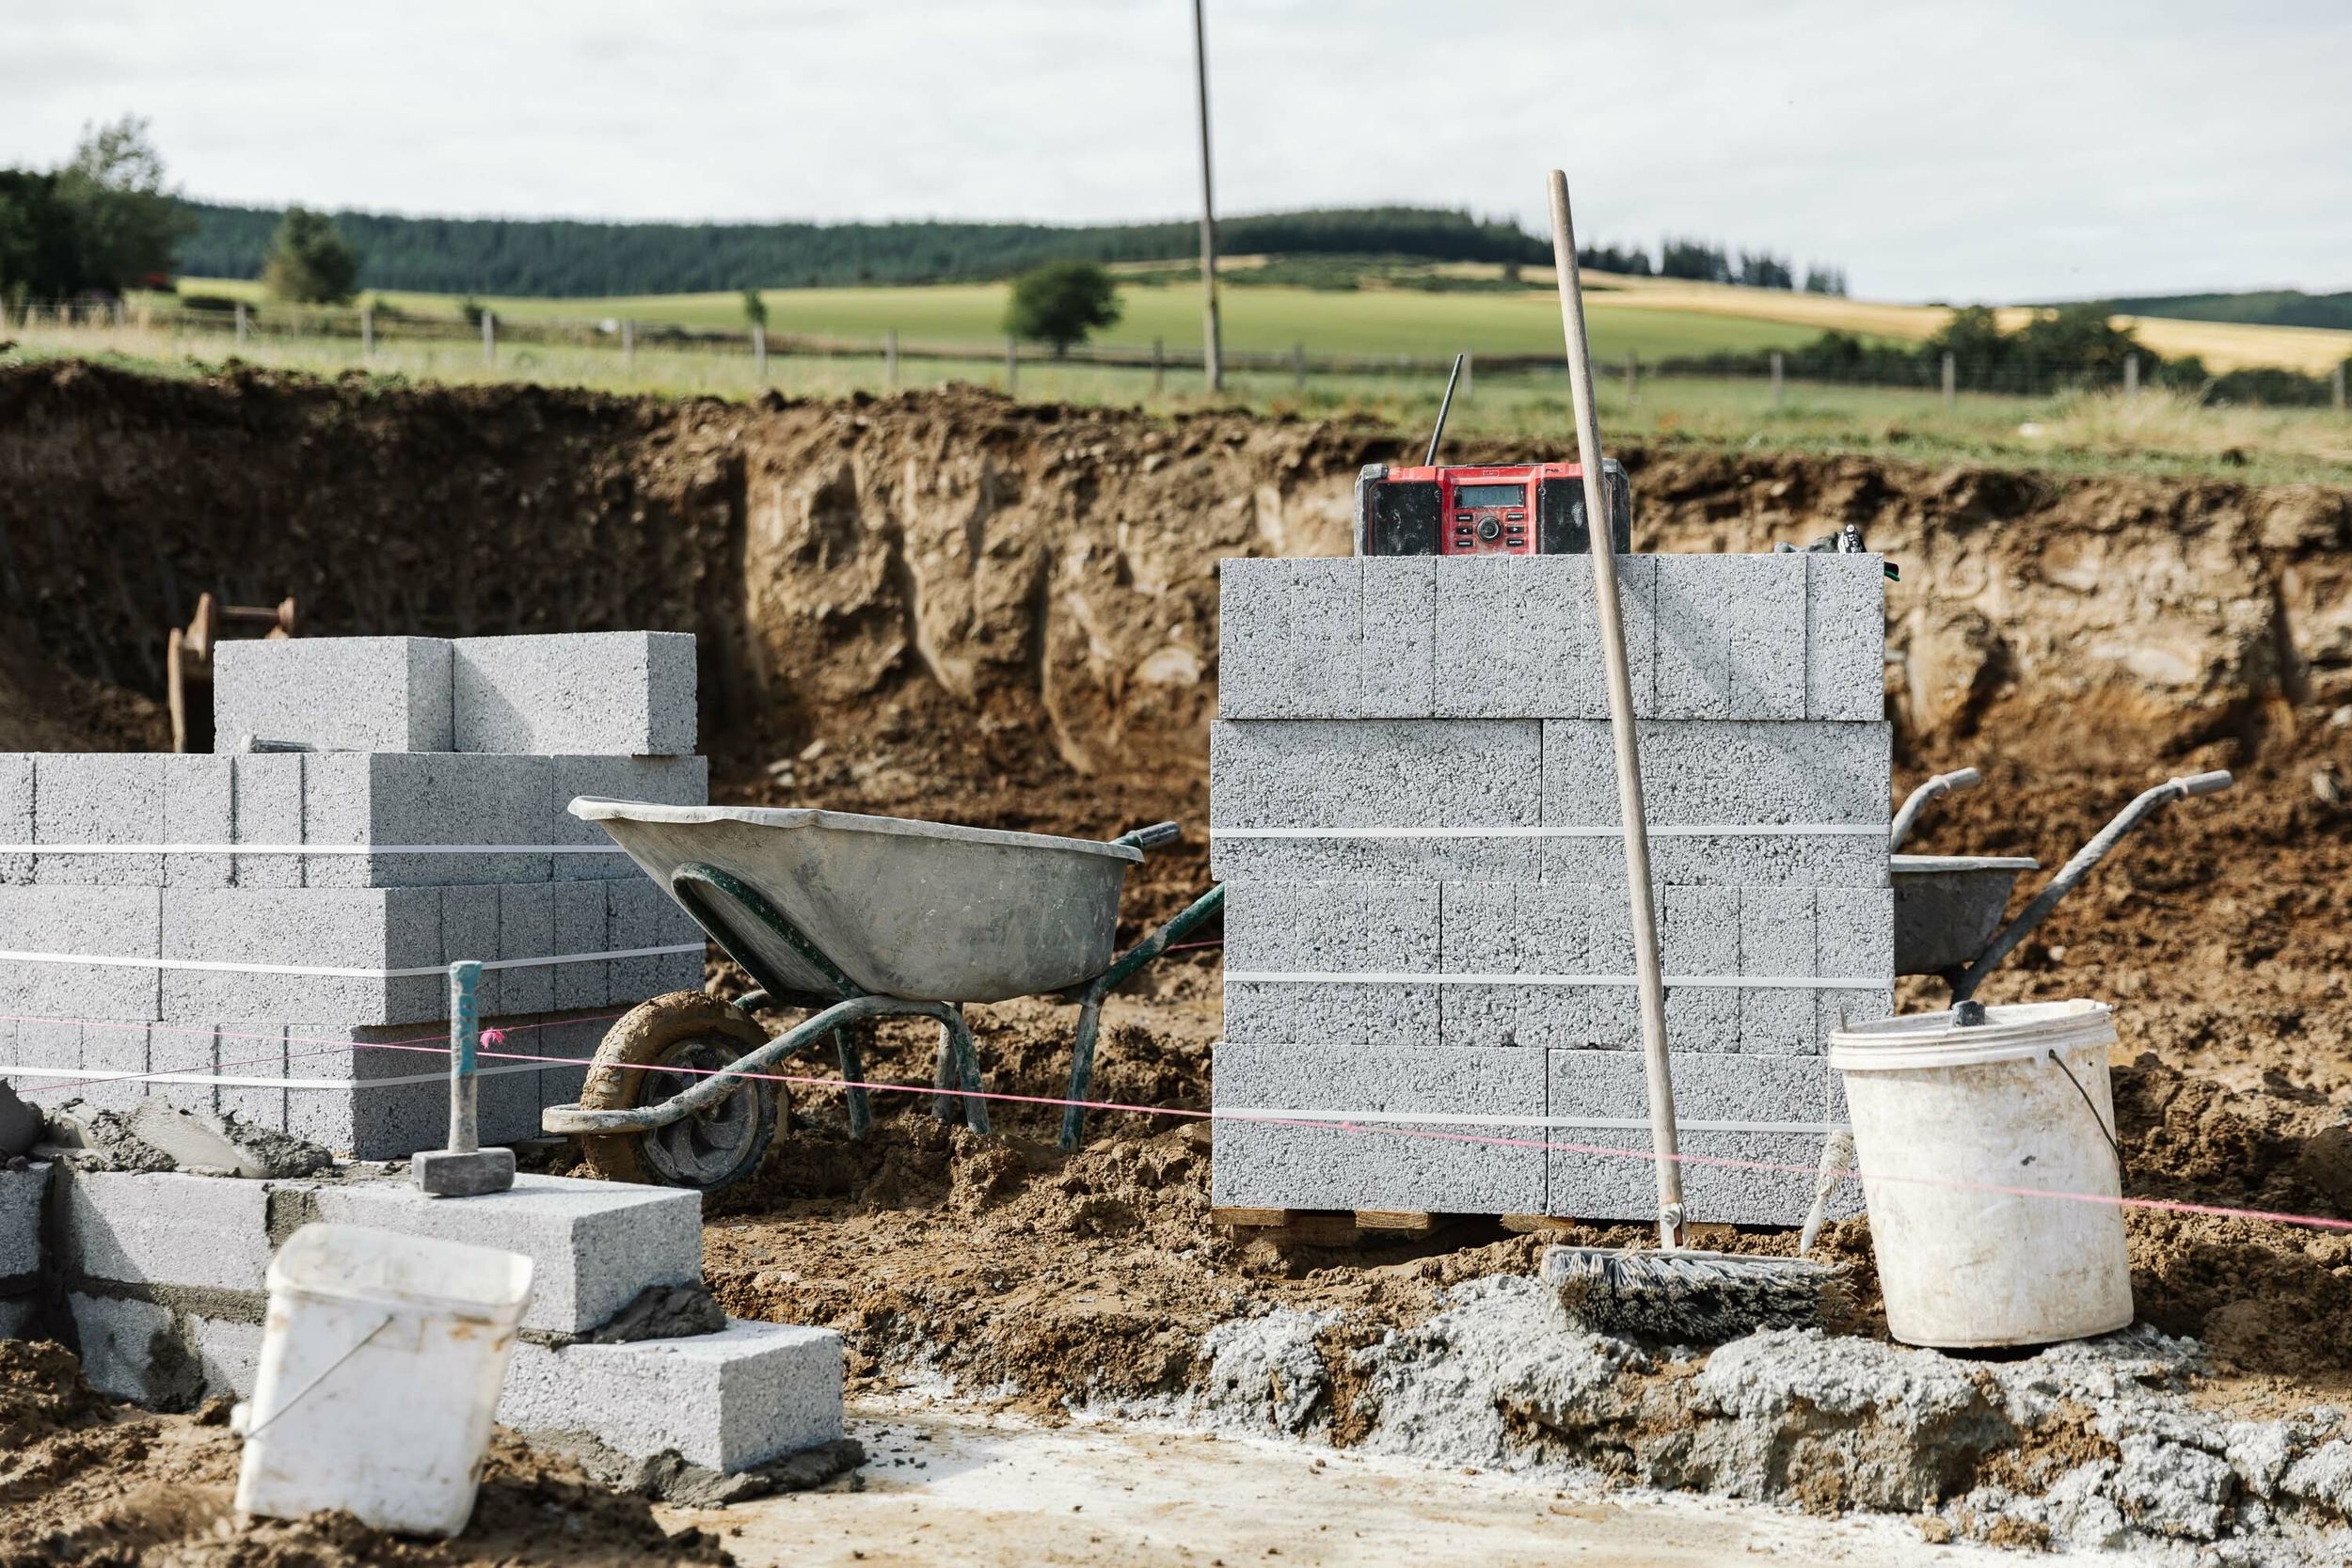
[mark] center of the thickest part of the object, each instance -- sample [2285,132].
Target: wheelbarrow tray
[1947,907]
[926,912]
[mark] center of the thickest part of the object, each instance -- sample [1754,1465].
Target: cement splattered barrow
[851,917]
[1947,908]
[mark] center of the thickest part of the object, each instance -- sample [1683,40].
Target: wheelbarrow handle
[1941,784]
[2073,871]
[1152,837]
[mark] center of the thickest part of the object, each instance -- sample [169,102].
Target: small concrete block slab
[1490,661]
[1855,937]
[166,1229]
[729,1401]
[1776,942]
[1573,685]
[1766,635]
[640,915]
[268,811]
[98,798]
[16,816]
[593,1245]
[199,795]
[434,800]
[1845,637]
[473,926]
[22,1194]
[333,693]
[274,929]
[1289,634]
[1698,936]
[527,930]
[662,780]
[1338,929]
[1377,1162]
[1695,612]
[96,922]
[159,1356]
[623,693]
[1400,637]
[579,926]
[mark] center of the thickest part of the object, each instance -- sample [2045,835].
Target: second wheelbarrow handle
[1152,838]
[1941,784]
[2073,871]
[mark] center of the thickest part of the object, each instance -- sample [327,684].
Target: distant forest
[2267,307]
[560,257]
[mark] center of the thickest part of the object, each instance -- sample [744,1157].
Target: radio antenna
[1431,460]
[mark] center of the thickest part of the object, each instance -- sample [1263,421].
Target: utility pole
[1212,355]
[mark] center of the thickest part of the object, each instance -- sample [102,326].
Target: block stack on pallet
[1414,809]
[266,931]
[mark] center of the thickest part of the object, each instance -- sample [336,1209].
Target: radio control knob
[1489,529]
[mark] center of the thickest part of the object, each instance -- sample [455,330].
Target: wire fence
[365,331]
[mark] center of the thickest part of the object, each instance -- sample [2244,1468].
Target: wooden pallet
[1327,1227]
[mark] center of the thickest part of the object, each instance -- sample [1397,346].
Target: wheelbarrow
[850,918]
[1948,907]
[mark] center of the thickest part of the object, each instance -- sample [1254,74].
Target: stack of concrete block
[267,931]
[160,1278]
[1414,809]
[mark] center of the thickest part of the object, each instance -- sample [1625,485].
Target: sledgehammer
[464,1168]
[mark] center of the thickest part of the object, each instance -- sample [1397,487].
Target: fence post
[1470,372]
[1159,371]
[2131,376]
[890,355]
[490,338]
[241,323]
[1780,379]
[367,330]
[2335,386]
[1951,379]
[628,341]
[1012,364]
[759,351]
[1298,367]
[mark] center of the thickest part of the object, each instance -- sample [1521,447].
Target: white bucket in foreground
[381,1364]
[1941,1114]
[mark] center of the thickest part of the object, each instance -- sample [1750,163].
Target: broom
[1672,1293]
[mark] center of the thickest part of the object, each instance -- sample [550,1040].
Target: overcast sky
[1997,149]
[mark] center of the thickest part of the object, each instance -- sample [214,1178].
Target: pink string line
[435,1045]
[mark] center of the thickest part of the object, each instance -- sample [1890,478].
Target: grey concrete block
[1846,637]
[160,1357]
[580,917]
[1573,684]
[20,1316]
[334,693]
[198,808]
[372,929]
[1776,941]
[1855,937]
[370,1121]
[473,926]
[1724,860]
[268,811]
[396,798]
[663,781]
[1722,772]
[527,930]
[22,1194]
[1698,935]
[1731,636]
[100,922]
[752,1392]
[1290,639]
[629,693]
[1389,861]
[98,798]
[182,1061]
[640,915]
[1399,653]
[1330,928]
[593,1245]
[576,1039]
[1490,662]
[1377,1165]
[16,816]
[1759,1174]
[164,1229]
[242,1050]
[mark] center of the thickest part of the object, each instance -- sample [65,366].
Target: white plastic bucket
[1956,1132]
[381,1365]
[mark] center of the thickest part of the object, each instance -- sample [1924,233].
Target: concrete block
[1776,941]
[1378,1164]
[752,1392]
[593,1245]
[20,1316]
[334,693]
[579,914]
[198,808]
[663,781]
[1698,935]
[473,926]
[1724,860]
[1330,928]
[628,693]
[1568,628]
[1399,653]
[1760,1173]
[576,1039]
[268,810]
[1854,936]
[163,1358]
[1290,639]
[396,798]
[98,922]
[1845,637]
[1722,772]
[187,1053]
[527,930]
[1490,662]
[370,1092]
[1731,636]
[369,929]
[22,1194]
[44,1061]
[98,798]
[165,1230]
[16,816]
[247,1050]
[1387,773]
[639,915]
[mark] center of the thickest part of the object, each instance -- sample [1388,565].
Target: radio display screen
[1490,495]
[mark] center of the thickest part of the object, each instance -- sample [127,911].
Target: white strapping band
[1356,978]
[310,849]
[330,973]
[1751,830]
[1433,1118]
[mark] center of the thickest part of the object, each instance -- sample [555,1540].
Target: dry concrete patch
[2093,1445]
[156,1138]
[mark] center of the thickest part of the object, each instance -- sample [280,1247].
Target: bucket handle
[244,1430]
[2060,1063]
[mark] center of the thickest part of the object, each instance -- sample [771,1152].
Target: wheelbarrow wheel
[698,1033]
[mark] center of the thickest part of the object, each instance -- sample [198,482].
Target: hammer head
[446,1173]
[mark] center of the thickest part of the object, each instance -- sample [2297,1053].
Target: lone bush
[1061,303]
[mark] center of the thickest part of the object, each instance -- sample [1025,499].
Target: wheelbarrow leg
[853,1074]
[957,1067]
[1073,1117]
